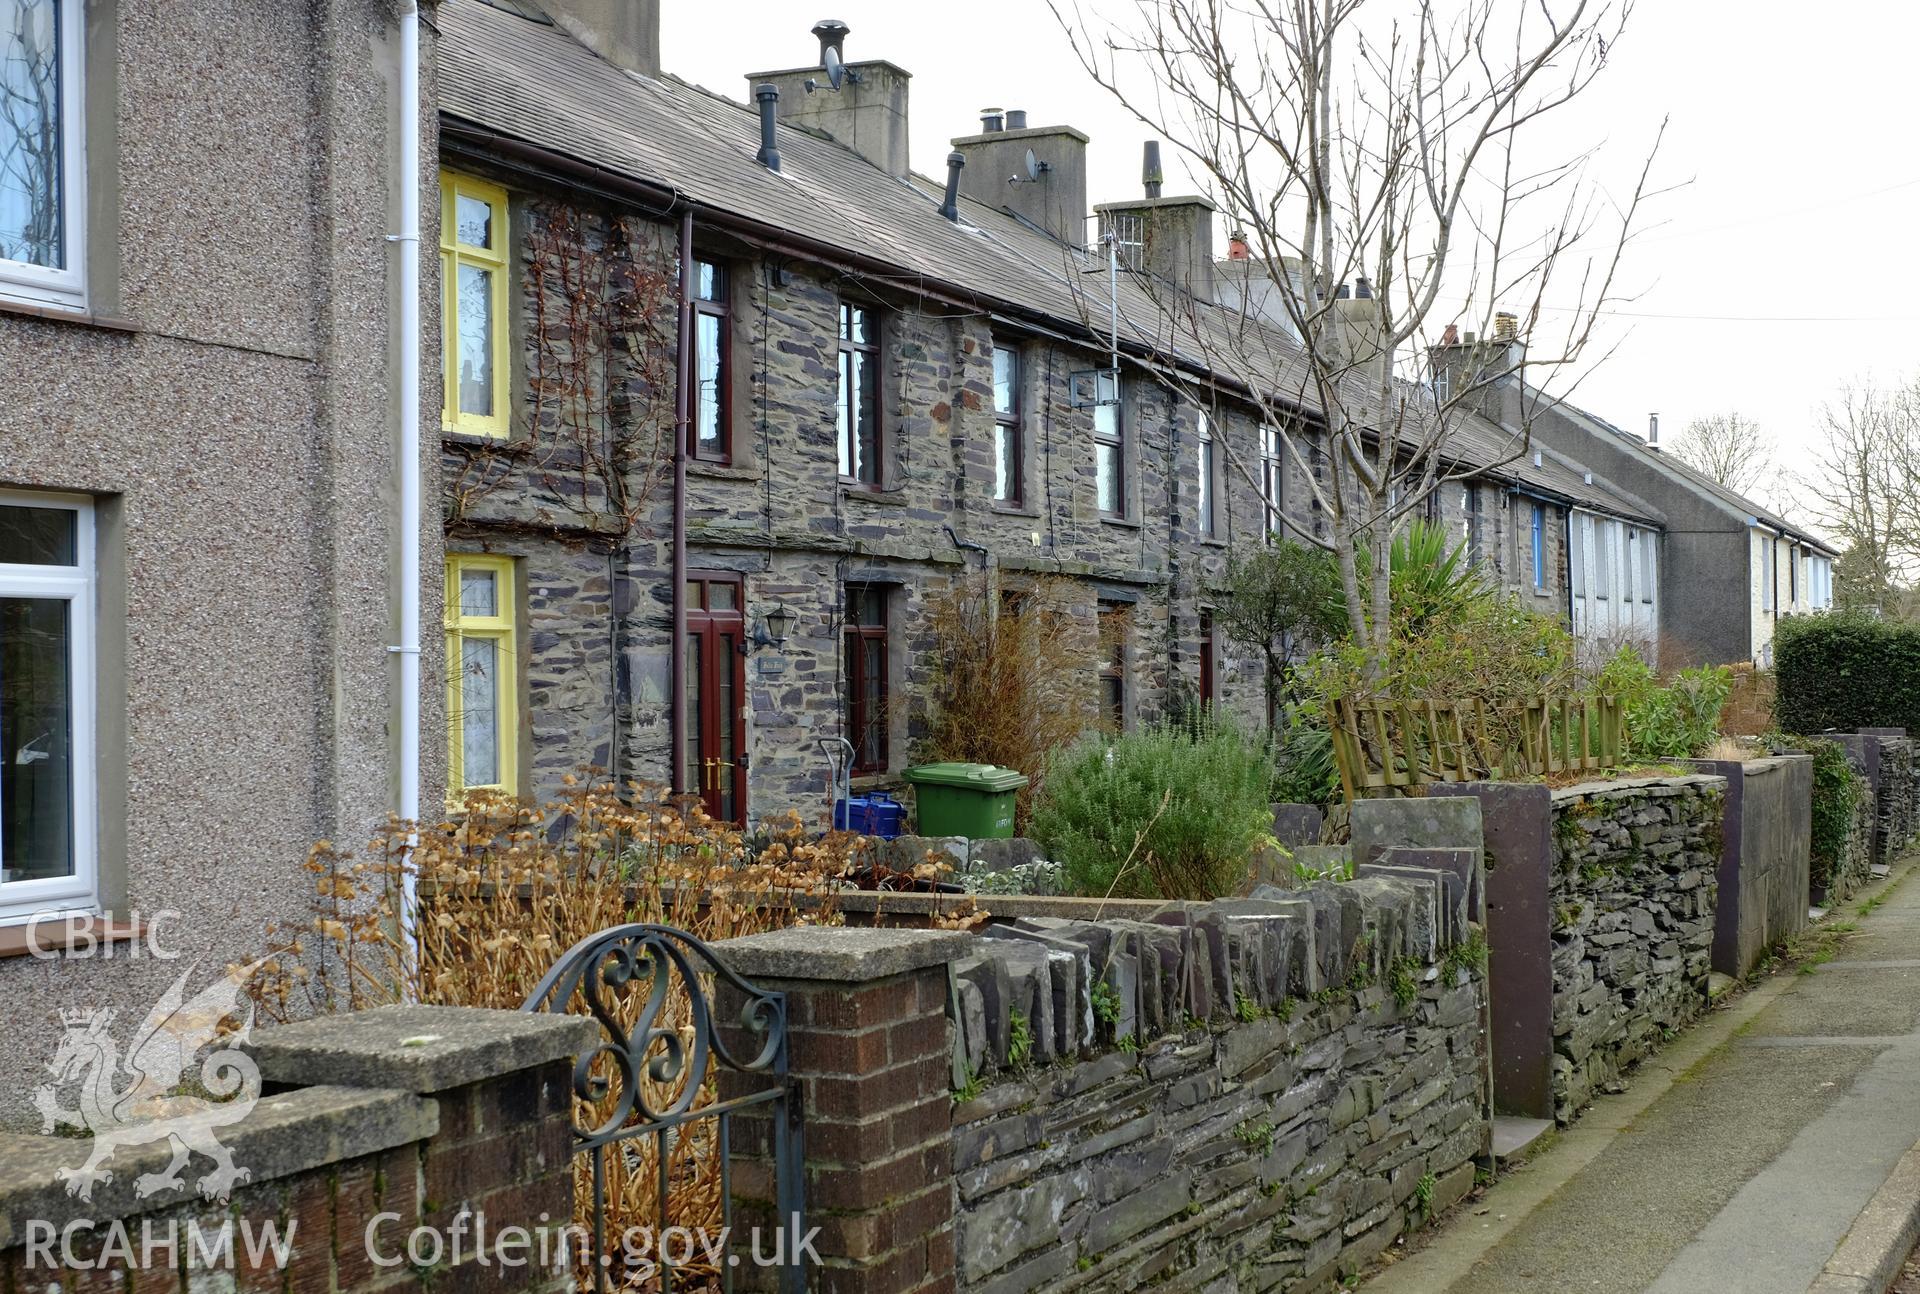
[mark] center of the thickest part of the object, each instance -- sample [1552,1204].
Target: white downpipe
[409,646]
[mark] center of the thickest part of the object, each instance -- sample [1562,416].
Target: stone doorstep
[1516,1139]
[418,1048]
[284,1134]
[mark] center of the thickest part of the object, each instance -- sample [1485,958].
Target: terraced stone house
[892,392]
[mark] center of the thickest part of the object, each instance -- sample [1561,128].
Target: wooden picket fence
[1381,745]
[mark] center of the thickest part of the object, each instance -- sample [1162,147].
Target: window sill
[1214,541]
[1129,523]
[721,471]
[1014,510]
[67,314]
[872,494]
[874,782]
[53,935]
[480,440]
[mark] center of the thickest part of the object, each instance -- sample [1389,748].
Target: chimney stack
[996,174]
[867,112]
[624,32]
[1175,235]
[1506,327]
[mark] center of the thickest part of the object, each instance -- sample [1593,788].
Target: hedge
[1846,670]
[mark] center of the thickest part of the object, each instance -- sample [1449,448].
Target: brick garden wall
[473,1117]
[1632,898]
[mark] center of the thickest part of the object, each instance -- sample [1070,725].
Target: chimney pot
[1506,327]
[1362,289]
[1451,337]
[1237,249]
[833,36]
[990,121]
[1151,177]
[1653,431]
[1016,118]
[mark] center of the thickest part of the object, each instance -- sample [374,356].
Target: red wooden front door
[716,686]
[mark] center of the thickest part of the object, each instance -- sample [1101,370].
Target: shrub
[505,891]
[1838,789]
[1009,686]
[1846,670]
[1156,813]
[1279,597]
[1304,769]
[1676,720]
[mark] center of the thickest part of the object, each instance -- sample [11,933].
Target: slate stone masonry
[1246,1094]
[1632,895]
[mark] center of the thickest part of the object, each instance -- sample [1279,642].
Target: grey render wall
[1767,837]
[237,432]
[1704,613]
[596,651]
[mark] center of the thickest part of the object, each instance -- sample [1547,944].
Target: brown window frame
[1113,623]
[1118,440]
[719,307]
[1206,658]
[1273,500]
[849,439]
[858,634]
[1009,423]
[1207,467]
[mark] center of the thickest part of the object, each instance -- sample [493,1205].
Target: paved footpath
[1768,1150]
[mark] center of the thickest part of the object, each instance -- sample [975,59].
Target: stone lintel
[418,1048]
[840,954]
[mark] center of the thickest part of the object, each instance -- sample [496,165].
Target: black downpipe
[677,650]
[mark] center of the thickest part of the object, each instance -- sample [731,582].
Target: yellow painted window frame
[504,630]
[454,254]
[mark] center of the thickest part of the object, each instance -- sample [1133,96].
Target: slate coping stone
[287,1133]
[418,1048]
[845,954]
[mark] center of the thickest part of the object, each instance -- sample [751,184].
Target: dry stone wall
[1256,1094]
[1632,892]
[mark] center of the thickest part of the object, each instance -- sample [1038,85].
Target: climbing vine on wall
[598,301]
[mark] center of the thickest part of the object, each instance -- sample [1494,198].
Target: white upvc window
[42,153]
[47,793]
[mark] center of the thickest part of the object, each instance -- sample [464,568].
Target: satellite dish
[1033,166]
[836,70]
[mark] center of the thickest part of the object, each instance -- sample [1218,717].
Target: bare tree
[1389,179]
[1867,486]
[1731,448]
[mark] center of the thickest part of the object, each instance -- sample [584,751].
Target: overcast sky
[1786,265]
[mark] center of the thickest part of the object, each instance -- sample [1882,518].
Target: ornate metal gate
[640,1094]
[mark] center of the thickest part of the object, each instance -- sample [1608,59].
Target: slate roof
[530,81]
[1729,501]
